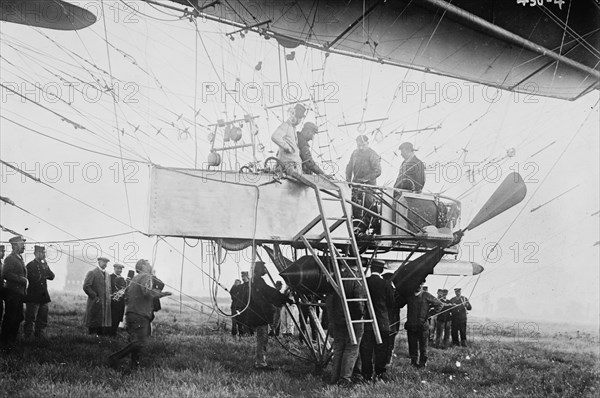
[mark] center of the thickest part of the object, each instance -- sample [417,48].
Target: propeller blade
[510,193]
[56,14]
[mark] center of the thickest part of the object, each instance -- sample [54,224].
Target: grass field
[192,356]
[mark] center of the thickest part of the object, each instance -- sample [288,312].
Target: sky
[92,147]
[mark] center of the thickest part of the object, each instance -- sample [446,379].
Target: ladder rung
[331,199]
[363,321]
[338,238]
[357,299]
[351,278]
[336,218]
[346,258]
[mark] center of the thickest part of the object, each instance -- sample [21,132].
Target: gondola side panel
[214,204]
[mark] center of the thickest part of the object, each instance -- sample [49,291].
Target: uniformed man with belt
[460,306]
[36,312]
[15,288]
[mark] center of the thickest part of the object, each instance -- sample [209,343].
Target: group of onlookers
[23,286]
[364,359]
[109,298]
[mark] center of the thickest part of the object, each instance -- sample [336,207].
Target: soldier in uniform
[233,292]
[373,355]
[242,295]
[14,273]
[417,328]
[443,322]
[117,303]
[460,306]
[36,312]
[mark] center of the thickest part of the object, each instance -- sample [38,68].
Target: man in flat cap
[36,312]
[14,273]
[139,313]
[365,164]
[309,166]
[96,286]
[363,168]
[117,303]
[373,356]
[412,171]
[286,139]
[460,306]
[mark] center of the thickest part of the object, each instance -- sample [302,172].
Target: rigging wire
[116,116]
[559,157]
[407,71]
[562,41]
[196,110]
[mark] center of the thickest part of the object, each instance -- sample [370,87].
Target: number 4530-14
[539,3]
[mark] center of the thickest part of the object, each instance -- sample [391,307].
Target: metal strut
[339,259]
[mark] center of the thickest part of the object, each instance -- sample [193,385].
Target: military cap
[17,239]
[38,248]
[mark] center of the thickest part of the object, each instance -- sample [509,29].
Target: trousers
[459,327]
[138,328]
[36,314]
[442,330]
[373,355]
[344,352]
[417,346]
[13,316]
[262,338]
